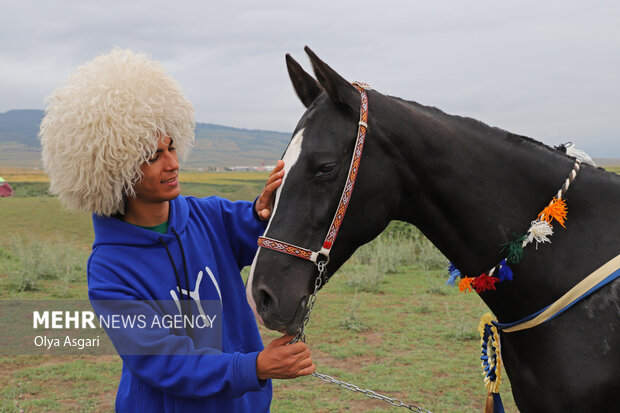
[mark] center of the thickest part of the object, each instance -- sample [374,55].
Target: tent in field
[5,188]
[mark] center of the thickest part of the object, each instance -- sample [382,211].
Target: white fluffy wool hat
[104,123]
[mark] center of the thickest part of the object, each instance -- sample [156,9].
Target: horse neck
[471,188]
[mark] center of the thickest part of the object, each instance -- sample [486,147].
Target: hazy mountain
[216,145]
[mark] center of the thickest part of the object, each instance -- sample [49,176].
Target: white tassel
[539,232]
[579,155]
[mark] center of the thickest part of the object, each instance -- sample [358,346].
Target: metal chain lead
[318,282]
[301,336]
[370,393]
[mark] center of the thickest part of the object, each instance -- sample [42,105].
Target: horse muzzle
[273,315]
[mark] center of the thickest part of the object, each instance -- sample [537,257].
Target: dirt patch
[365,404]
[354,364]
[373,338]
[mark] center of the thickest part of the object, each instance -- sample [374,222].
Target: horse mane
[476,125]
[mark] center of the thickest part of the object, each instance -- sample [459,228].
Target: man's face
[161,175]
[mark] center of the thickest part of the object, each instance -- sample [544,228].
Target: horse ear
[338,89]
[305,86]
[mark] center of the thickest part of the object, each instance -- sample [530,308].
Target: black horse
[469,188]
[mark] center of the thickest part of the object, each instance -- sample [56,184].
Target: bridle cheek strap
[323,254]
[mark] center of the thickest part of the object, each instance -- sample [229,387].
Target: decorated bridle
[321,258]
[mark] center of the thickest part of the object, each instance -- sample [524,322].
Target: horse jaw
[248,290]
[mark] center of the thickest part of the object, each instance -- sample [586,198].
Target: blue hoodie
[214,239]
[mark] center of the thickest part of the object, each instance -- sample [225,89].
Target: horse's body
[469,188]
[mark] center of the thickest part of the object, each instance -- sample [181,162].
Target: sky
[549,70]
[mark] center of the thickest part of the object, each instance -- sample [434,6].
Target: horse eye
[326,169]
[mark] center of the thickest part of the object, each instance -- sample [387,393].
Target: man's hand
[265,201]
[279,360]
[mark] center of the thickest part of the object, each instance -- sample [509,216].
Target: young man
[111,139]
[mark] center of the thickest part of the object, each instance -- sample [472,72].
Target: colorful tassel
[494,403]
[465,285]
[454,274]
[579,154]
[488,406]
[539,232]
[555,210]
[514,249]
[505,272]
[484,282]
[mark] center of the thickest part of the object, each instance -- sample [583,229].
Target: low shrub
[463,332]
[401,244]
[27,261]
[352,321]
[366,278]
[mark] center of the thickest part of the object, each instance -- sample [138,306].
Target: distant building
[250,168]
[5,188]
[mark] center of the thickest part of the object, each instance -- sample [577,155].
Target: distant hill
[607,161]
[216,145]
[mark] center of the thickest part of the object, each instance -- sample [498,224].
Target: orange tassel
[488,406]
[555,210]
[466,284]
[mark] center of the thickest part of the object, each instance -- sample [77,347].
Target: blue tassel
[505,272]
[454,274]
[498,406]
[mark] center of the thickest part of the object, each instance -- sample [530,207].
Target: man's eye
[153,159]
[172,149]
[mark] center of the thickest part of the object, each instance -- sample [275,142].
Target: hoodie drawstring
[184,260]
[178,279]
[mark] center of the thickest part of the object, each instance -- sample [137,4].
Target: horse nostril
[266,301]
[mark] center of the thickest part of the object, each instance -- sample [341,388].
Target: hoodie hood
[116,232]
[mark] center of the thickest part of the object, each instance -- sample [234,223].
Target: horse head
[316,167]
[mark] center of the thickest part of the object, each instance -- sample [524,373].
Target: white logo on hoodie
[195,295]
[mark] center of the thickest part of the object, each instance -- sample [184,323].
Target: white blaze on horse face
[290,158]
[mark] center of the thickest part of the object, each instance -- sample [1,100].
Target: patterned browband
[313,256]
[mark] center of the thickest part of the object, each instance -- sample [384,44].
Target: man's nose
[172,161]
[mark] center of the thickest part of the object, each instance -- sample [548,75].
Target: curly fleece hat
[104,123]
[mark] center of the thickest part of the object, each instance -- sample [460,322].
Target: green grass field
[614,169]
[404,333]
